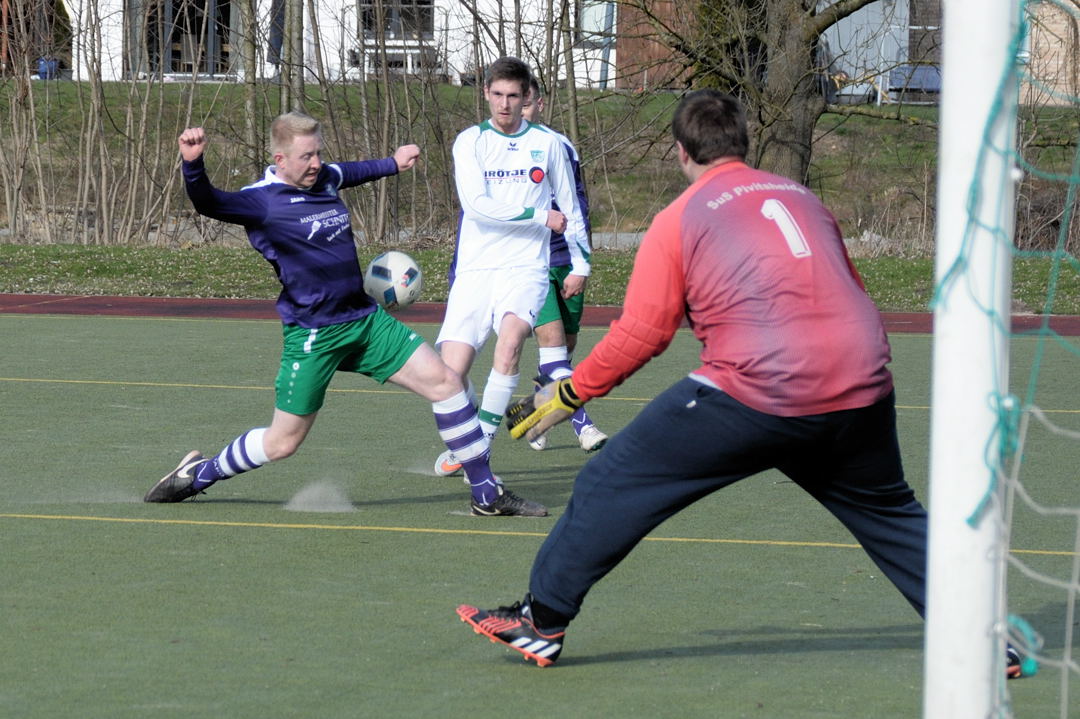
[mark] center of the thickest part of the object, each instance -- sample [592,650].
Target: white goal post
[964,666]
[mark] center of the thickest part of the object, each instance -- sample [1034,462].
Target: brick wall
[924,37]
[641,61]
[1055,42]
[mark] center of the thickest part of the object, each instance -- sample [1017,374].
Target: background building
[888,51]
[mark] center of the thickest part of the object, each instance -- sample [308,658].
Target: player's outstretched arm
[241,208]
[406,157]
[536,414]
[192,143]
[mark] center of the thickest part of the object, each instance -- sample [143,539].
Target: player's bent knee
[442,379]
[281,447]
[450,385]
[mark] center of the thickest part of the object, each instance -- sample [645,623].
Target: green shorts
[557,307]
[376,346]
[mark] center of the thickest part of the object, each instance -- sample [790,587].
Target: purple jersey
[305,234]
[560,251]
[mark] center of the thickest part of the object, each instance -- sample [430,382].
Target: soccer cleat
[1012,663]
[514,627]
[447,464]
[177,485]
[540,443]
[508,504]
[1017,665]
[591,438]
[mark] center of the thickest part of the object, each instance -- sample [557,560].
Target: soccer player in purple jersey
[559,320]
[295,217]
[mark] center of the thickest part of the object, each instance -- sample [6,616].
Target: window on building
[412,61]
[401,19]
[594,22]
[184,36]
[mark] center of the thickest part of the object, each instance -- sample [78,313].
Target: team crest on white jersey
[537,155]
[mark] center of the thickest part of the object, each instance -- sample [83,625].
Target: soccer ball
[394,280]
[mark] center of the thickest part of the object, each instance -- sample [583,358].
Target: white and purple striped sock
[459,427]
[243,454]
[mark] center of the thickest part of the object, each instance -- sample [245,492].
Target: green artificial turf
[325,585]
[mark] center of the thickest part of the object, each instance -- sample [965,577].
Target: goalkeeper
[793,377]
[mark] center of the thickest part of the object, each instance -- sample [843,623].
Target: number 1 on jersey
[774,210]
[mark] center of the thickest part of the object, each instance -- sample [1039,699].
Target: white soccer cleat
[540,443]
[591,438]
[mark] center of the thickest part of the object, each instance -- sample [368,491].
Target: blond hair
[290,125]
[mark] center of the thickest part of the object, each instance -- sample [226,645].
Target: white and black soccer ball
[394,280]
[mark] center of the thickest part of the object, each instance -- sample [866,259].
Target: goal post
[964,665]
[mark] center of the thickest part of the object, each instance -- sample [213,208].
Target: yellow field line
[431,530]
[186,385]
[263,388]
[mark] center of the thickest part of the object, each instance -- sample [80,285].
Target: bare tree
[766,52]
[100,164]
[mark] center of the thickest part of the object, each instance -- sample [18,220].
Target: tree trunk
[765,53]
[248,63]
[783,126]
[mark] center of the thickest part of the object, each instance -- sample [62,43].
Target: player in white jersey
[507,171]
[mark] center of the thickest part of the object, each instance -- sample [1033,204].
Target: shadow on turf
[462,496]
[547,473]
[765,641]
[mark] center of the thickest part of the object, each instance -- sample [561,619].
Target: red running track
[594,316]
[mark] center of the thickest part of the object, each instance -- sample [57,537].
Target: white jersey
[505,184]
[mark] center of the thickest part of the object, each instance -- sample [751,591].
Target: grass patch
[897,284]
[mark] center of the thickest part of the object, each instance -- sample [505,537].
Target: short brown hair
[290,125]
[710,124]
[509,68]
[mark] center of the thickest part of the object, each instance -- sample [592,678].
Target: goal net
[1004,564]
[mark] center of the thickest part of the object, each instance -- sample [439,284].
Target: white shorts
[479,299]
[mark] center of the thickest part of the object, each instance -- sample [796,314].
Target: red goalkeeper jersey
[757,265]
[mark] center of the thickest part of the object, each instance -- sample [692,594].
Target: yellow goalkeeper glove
[533,415]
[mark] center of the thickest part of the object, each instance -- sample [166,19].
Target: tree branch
[834,14]
[868,111]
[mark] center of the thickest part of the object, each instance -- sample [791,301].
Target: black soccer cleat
[1012,663]
[177,485]
[508,504]
[1017,665]
[514,627]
